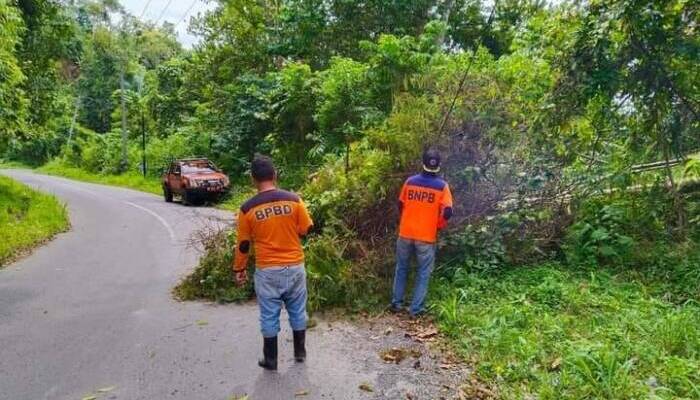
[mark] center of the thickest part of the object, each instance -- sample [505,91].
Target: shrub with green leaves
[212,279]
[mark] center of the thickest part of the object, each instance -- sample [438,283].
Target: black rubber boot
[299,345]
[269,360]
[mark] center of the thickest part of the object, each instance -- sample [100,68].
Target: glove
[442,223]
[241,277]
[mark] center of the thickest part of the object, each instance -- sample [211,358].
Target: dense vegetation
[27,218]
[569,134]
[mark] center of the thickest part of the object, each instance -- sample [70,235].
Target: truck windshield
[196,168]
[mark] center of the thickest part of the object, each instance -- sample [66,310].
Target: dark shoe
[269,360]
[395,310]
[299,345]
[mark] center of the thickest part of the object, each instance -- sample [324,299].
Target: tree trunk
[347,157]
[72,122]
[678,206]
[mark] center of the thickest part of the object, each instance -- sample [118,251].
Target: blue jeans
[425,253]
[276,286]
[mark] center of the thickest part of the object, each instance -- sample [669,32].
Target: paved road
[92,309]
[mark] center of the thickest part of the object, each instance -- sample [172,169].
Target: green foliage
[213,277]
[331,281]
[640,59]
[315,31]
[620,230]
[336,278]
[293,102]
[554,333]
[27,218]
[600,237]
[345,106]
[692,168]
[13,104]
[241,122]
[475,249]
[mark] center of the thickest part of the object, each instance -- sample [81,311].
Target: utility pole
[124,56]
[125,137]
[143,143]
[72,122]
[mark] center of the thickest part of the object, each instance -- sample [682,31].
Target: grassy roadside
[27,218]
[129,180]
[552,332]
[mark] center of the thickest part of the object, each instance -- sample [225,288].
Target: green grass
[129,180]
[551,332]
[12,164]
[27,218]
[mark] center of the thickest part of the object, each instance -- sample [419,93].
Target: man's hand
[241,277]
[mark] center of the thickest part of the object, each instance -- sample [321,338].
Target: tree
[346,104]
[636,62]
[13,104]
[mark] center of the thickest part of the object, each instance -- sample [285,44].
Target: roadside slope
[27,218]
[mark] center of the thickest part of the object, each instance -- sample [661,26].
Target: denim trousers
[425,254]
[277,286]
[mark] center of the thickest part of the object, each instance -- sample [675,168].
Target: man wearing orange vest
[274,220]
[425,204]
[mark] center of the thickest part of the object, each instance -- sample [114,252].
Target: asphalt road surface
[93,310]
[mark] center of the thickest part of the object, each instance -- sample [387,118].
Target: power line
[164,10]
[188,10]
[148,3]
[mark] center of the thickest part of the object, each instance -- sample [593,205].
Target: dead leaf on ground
[422,333]
[398,354]
[302,392]
[202,322]
[476,390]
[555,364]
[388,331]
[428,333]
[106,389]
[91,397]
[366,387]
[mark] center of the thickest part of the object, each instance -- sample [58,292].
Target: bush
[339,277]
[620,230]
[213,279]
[599,238]
[332,280]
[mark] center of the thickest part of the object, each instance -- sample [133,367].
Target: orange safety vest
[273,221]
[426,203]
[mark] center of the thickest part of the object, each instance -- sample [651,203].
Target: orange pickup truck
[194,180]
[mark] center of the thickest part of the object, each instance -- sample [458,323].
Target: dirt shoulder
[402,358]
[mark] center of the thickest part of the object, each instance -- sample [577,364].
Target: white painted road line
[158,217]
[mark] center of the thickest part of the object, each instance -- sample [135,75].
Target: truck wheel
[168,195]
[186,199]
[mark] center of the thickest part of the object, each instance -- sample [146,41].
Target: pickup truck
[194,180]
